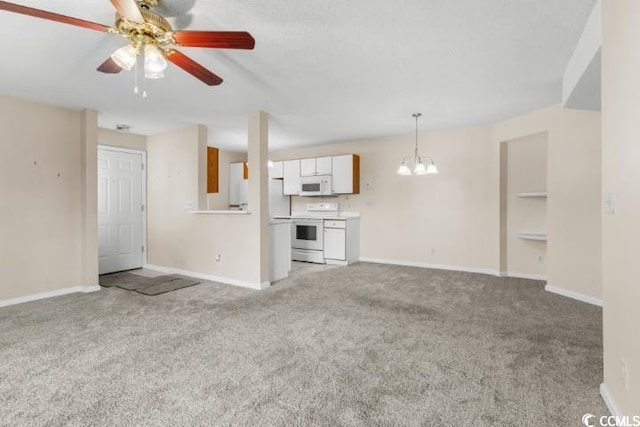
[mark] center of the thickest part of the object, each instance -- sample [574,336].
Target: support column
[258,156]
[89,198]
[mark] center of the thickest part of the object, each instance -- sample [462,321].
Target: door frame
[144,191]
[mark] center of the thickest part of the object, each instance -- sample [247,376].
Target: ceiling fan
[149,34]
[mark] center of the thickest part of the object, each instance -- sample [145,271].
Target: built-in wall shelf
[531,195]
[533,236]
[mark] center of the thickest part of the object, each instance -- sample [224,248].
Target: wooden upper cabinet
[213,171]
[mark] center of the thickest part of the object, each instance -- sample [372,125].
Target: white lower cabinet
[335,244]
[341,241]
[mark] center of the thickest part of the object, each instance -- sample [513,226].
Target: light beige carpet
[362,345]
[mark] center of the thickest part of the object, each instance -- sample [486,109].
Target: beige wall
[121,139]
[215,201]
[621,177]
[448,219]
[48,212]
[180,240]
[526,173]
[573,186]
[457,213]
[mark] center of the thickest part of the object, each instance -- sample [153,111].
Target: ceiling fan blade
[110,67]
[192,67]
[215,39]
[128,9]
[24,10]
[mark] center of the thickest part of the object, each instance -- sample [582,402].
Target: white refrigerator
[279,204]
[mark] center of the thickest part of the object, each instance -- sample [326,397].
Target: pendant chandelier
[419,167]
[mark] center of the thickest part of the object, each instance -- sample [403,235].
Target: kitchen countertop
[331,218]
[221,212]
[278,220]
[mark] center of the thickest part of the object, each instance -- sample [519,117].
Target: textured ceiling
[326,71]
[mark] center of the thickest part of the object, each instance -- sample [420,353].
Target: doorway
[121,210]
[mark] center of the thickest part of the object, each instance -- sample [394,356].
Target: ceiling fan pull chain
[144,76]
[135,78]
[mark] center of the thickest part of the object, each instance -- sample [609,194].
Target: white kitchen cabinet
[335,244]
[316,166]
[277,170]
[342,241]
[346,174]
[307,167]
[324,165]
[291,175]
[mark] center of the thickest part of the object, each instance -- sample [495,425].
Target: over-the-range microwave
[319,185]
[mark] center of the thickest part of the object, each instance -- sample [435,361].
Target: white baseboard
[608,400]
[51,294]
[434,266]
[211,278]
[574,295]
[527,276]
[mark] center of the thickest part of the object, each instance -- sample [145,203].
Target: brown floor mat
[146,285]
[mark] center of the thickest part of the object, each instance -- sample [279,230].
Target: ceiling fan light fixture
[153,75]
[125,57]
[154,62]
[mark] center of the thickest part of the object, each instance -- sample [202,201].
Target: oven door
[308,235]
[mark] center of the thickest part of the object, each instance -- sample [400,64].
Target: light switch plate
[609,204]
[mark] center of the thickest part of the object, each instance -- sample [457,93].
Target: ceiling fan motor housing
[147,4]
[155,28]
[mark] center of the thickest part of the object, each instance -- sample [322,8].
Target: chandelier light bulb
[420,168]
[404,170]
[432,169]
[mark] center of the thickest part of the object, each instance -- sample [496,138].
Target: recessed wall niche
[523,206]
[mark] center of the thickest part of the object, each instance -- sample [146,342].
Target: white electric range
[307,234]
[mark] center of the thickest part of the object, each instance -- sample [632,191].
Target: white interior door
[120,210]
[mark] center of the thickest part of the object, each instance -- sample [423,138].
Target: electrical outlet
[433,251]
[540,259]
[219,258]
[624,372]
